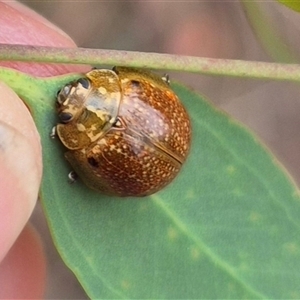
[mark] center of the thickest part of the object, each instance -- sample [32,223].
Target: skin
[23,270]
[22,259]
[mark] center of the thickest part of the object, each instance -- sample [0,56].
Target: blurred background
[218,29]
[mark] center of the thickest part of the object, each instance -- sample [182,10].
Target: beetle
[125,130]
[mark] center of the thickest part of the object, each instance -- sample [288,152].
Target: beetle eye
[84,82]
[65,117]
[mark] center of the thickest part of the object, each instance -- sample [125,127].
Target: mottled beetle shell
[126,131]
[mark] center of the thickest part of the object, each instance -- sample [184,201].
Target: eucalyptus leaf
[226,228]
[269,37]
[294,5]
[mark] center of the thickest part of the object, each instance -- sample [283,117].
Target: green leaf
[294,5]
[228,227]
[269,37]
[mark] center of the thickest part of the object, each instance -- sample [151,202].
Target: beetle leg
[53,133]
[166,78]
[72,176]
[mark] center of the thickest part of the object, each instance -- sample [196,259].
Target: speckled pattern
[145,147]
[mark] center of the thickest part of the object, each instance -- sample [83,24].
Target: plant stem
[209,66]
